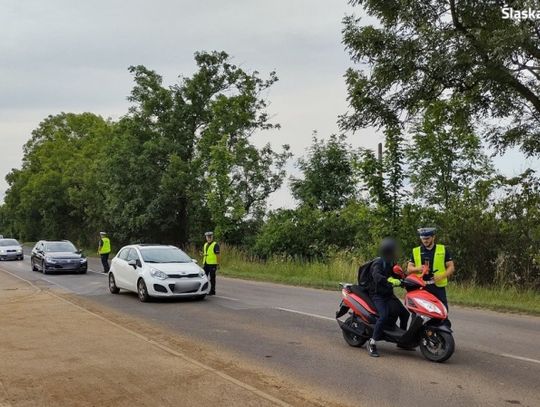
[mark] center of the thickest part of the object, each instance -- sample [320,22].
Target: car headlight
[158,274]
[83,260]
[50,260]
[2,251]
[201,273]
[19,250]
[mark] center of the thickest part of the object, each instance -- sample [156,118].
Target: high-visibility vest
[439,265]
[209,257]
[105,246]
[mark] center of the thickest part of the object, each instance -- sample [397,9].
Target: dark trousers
[440,293]
[210,270]
[389,309]
[397,310]
[105,262]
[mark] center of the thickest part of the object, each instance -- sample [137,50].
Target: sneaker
[372,349]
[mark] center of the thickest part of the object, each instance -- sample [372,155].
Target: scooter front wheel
[351,338]
[437,346]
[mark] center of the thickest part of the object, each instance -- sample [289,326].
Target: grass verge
[237,264]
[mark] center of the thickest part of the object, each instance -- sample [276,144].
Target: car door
[132,273]
[120,267]
[37,255]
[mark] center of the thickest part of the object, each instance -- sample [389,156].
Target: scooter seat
[363,293]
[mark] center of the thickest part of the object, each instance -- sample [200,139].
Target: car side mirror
[133,263]
[194,260]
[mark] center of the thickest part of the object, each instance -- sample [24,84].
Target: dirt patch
[67,351]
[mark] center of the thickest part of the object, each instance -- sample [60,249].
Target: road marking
[165,348]
[226,298]
[506,355]
[306,314]
[97,272]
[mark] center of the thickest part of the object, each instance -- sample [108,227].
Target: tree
[329,174]
[445,156]
[181,159]
[421,52]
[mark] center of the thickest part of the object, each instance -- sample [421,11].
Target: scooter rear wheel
[437,347]
[351,338]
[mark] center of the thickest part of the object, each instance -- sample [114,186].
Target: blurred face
[209,238]
[427,241]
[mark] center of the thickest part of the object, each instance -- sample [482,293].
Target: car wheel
[142,291]
[112,284]
[43,269]
[21,258]
[82,271]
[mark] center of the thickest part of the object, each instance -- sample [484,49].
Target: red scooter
[426,329]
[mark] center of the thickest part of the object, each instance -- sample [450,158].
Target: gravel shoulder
[56,350]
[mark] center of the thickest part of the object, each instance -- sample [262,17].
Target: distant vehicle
[10,249]
[157,271]
[53,256]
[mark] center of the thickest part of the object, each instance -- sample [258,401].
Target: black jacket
[380,271]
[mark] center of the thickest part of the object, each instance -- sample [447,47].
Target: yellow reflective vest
[105,246]
[439,265]
[209,257]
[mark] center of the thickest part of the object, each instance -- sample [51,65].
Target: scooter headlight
[429,306]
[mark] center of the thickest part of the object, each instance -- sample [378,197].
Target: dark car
[10,249]
[53,256]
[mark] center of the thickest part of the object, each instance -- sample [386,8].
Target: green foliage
[179,163]
[329,174]
[421,52]
[446,156]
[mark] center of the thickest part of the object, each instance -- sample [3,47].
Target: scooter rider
[381,291]
[436,260]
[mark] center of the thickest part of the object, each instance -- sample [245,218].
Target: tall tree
[420,52]
[182,159]
[445,156]
[329,174]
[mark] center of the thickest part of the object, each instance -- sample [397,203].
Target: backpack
[364,274]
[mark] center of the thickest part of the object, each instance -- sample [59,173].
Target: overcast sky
[72,56]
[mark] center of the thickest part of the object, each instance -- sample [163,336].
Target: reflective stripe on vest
[439,265]
[105,246]
[209,257]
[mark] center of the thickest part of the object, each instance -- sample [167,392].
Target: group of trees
[178,163]
[440,79]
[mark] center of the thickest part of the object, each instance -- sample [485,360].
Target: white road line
[167,349]
[306,314]
[506,355]
[227,298]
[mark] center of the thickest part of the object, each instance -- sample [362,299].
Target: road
[291,332]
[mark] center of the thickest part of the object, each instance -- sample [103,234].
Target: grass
[238,264]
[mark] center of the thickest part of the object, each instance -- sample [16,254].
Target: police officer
[381,291]
[104,249]
[211,258]
[437,262]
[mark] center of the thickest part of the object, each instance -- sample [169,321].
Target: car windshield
[60,247]
[9,242]
[164,255]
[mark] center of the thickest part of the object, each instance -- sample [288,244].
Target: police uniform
[210,262]
[104,250]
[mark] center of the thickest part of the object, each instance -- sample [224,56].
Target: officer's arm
[447,273]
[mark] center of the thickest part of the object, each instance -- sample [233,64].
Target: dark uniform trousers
[105,262]
[210,270]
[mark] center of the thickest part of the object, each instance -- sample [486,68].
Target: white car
[157,271]
[10,249]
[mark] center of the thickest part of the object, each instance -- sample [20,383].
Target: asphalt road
[291,331]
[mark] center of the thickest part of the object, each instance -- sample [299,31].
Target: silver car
[10,249]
